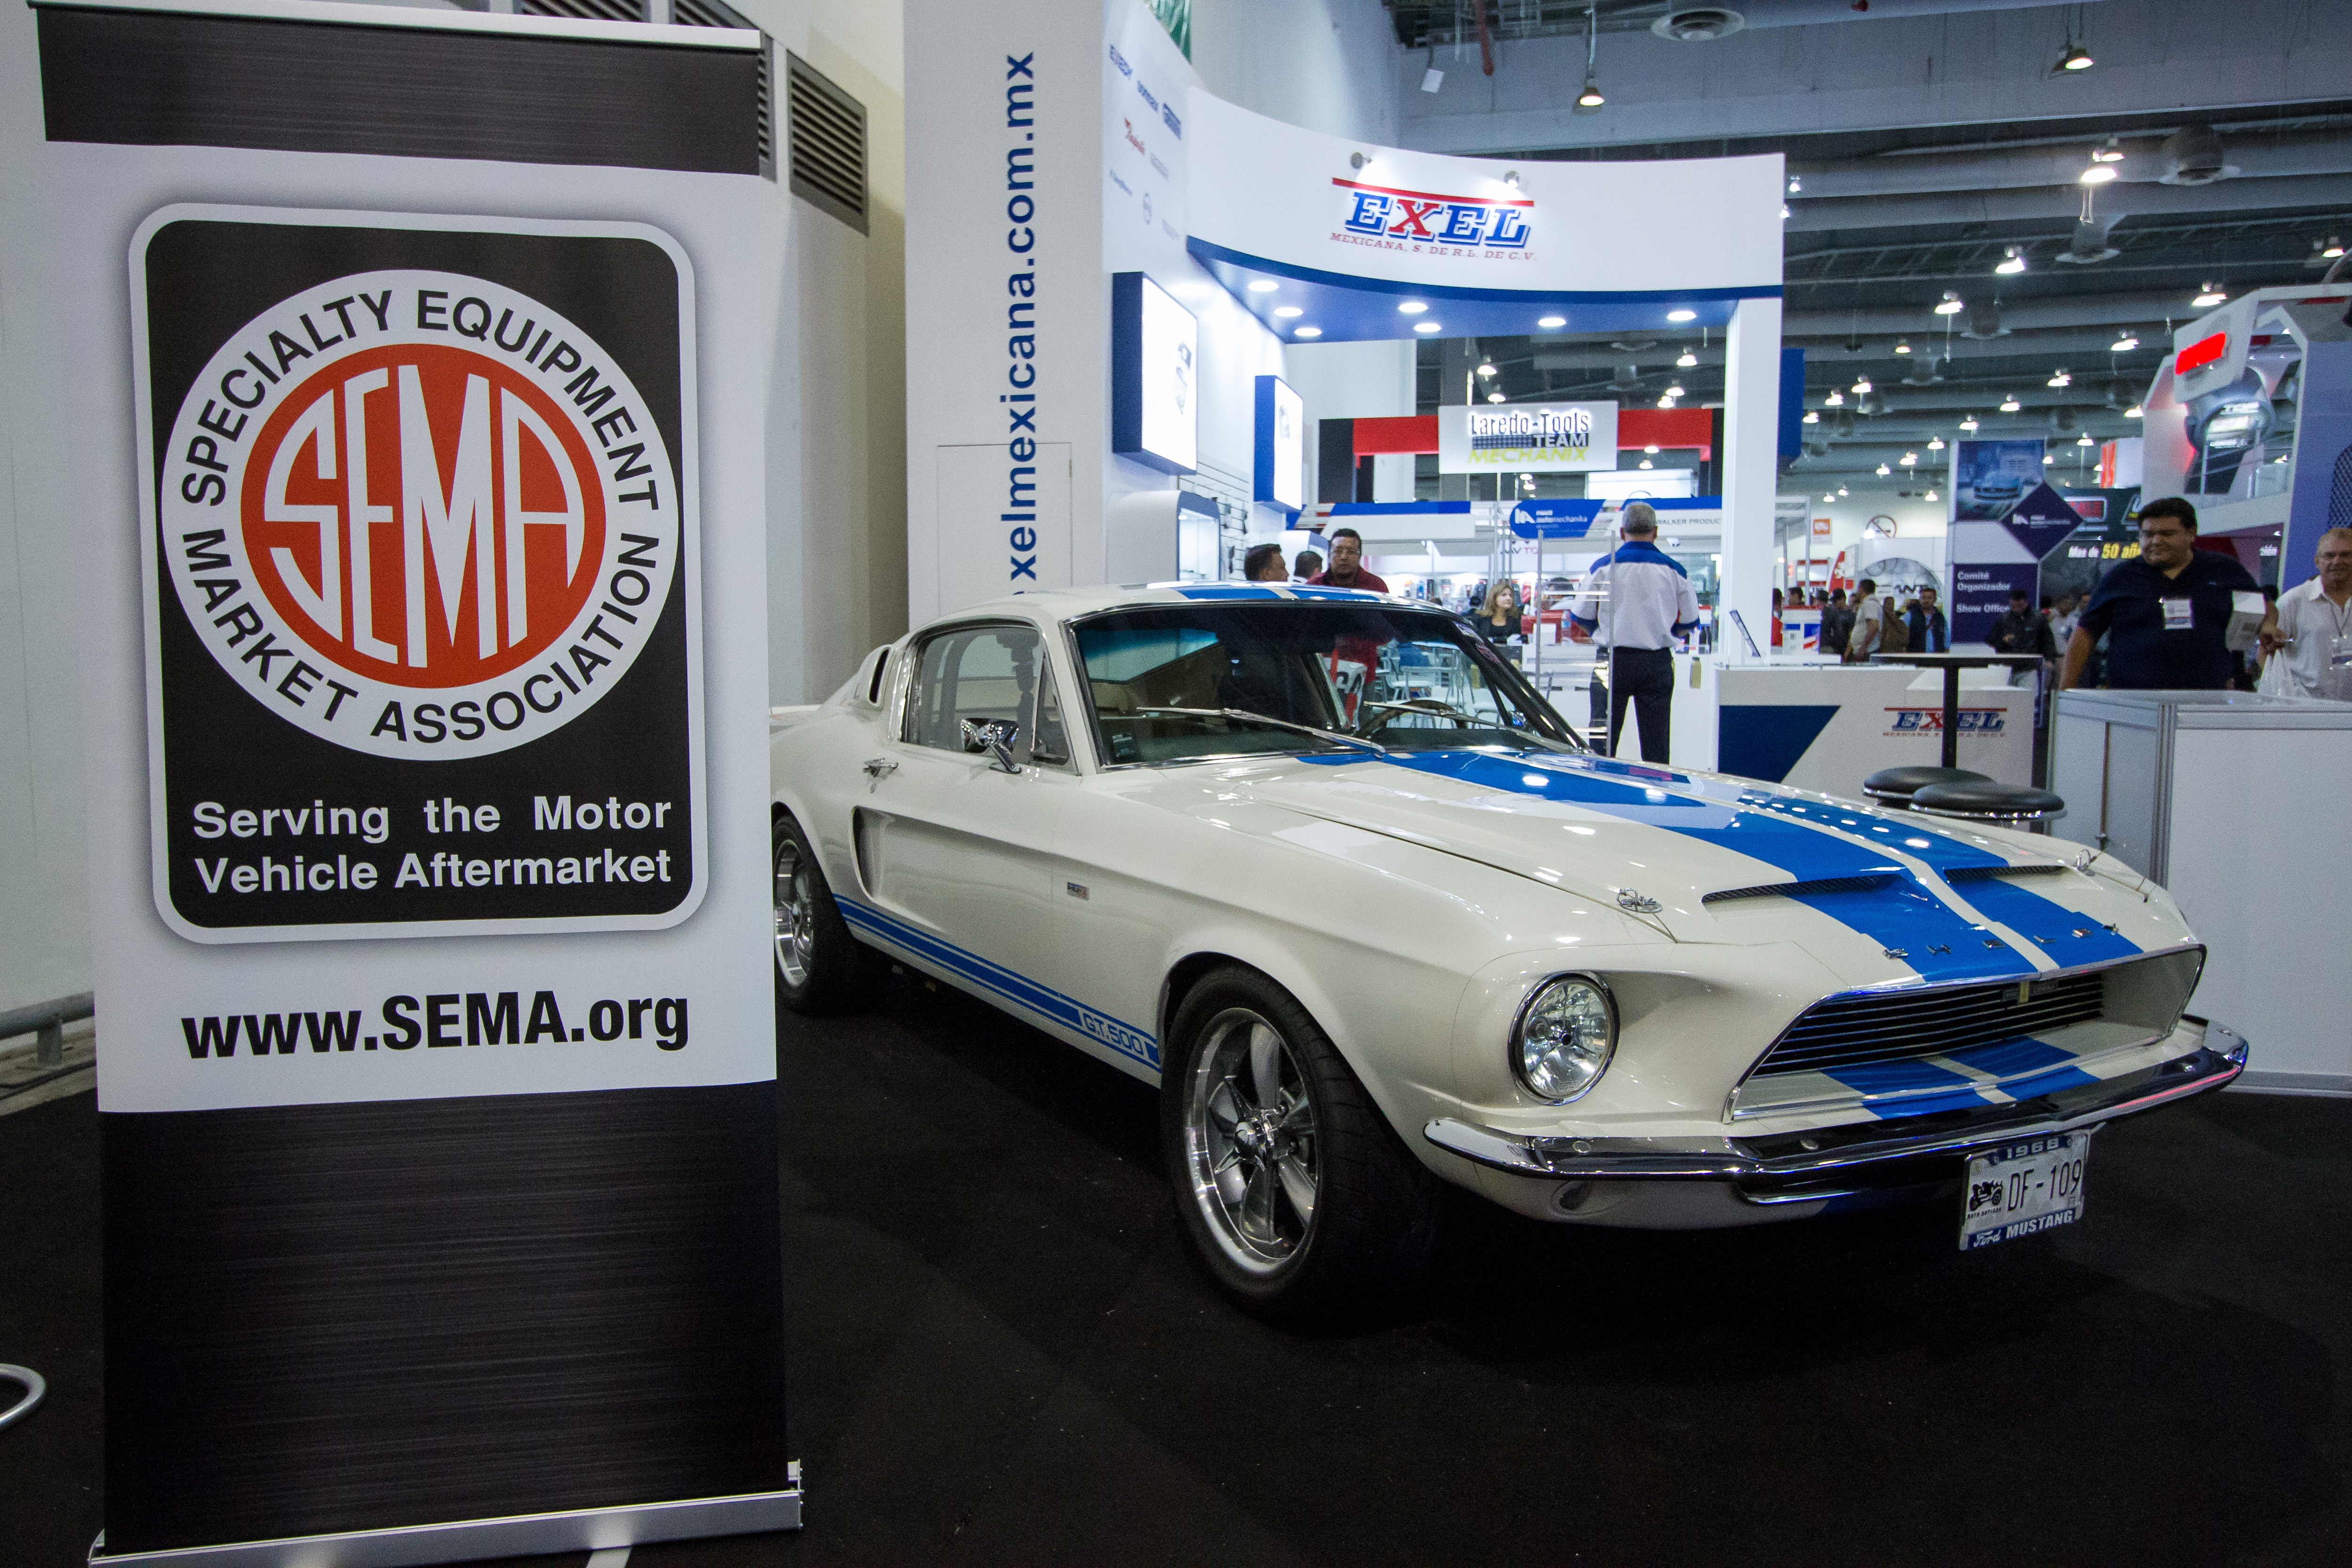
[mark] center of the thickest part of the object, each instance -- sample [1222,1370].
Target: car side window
[976,685]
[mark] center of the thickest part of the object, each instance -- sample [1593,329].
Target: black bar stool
[1981,800]
[1894,787]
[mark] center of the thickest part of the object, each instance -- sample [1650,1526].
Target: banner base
[522,1535]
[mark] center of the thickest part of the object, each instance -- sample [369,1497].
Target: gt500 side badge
[419,514]
[423,619]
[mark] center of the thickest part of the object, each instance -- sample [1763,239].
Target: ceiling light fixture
[1902,347]
[1306,332]
[1263,286]
[2133,412]
[2123,345]
[1552,322]
[1590,101]
[1884,470]
[2111,151]
[1841,489]
[2084,441]
[1288,313]
[1676,390]
[2009,405]
[1646,463]
[1931,495]
[1908,459]
[1411,308]
[2096,174]
[2012,264]
[1511,178]
[1834,400]
[2062,379]
[2075,58]
[1682,315]
[1426,327]
[1795,183]
[1687,361]
[1936,444]
[2208,296]
[1862,383]
[1664,402]
[1784,209]
[1812,416]
[1951,304]
[2332,249]
[1494,397]
[2047,459]
[1970,424]
[1652,450]
[1486,367]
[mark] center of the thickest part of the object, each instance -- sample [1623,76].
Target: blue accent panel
[1557,519]
[1348,309]
[1262,474]
[1227,591]
[1793,402]
[1399,507]
[1017,989]
[1761,742]
[2050,1082]
[2051,927]
[2006,1058]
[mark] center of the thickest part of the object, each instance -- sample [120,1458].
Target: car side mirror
[995,737]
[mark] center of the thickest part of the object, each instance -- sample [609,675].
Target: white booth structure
[1105,263]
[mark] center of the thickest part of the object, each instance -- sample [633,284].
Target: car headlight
[1564,1037]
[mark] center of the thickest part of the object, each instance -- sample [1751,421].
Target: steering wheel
[1428,705]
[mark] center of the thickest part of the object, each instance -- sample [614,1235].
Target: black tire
[1239,1153]
[821,969]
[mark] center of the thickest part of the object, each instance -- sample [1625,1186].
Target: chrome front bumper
[1828,1161]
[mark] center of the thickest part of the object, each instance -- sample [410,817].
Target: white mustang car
[1324,869]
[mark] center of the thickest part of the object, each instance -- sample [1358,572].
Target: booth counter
[1822,725]
[2232,801]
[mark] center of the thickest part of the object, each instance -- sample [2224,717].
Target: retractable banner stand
[414,368]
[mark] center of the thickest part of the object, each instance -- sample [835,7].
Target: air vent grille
[1799,890]
[585,10]
[826,129]
[684,14]
[1987,873]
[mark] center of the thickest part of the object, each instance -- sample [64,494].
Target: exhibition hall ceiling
[1936,151]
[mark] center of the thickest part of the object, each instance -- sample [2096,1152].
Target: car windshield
[1182,681]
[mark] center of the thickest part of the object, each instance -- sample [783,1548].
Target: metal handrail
[48,1020]
[37,1387]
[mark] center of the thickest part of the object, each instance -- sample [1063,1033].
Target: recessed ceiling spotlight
[1288,313]
[1426,327]
[1902,347]
[1651,450]
[2012,263]
[1263,286]
[2062,379]
[1550,323]
[1306,332]
[2009,405]
[1411,308]
[2207,296]
[1494,397]
[1687,361]
[1682,315]
[2123,345]
[1951,304]
[1936,444]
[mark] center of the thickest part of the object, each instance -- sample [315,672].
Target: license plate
[2021,1188]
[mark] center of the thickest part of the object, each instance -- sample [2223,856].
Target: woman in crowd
[1497,619]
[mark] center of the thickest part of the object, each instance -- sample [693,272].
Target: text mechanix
[443,1019]
[1930,720]
[419,514]
[1465,226]
[1020,515]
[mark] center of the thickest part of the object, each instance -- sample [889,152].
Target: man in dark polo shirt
[2164,615]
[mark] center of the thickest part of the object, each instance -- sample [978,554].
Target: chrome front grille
[1900,1025]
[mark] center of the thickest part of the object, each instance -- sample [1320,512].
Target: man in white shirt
[1638,600]
[2312,624]
[1869,623]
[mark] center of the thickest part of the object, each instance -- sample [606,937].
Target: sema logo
[419,514]
[1462,224]
[1930,722]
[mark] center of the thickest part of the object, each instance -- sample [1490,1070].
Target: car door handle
[877,769]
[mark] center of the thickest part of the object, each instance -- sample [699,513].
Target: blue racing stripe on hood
[1900,915]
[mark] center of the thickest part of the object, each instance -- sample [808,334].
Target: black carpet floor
[1000,1352]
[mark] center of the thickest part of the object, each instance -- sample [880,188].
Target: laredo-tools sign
[420,540]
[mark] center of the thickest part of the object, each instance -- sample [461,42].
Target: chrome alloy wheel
[1250,1144]
[795,900]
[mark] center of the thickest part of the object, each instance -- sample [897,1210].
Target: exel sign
[1155,347]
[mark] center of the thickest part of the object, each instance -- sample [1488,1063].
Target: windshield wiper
[1245,716]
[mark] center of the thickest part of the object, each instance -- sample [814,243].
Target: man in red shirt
[1346,571]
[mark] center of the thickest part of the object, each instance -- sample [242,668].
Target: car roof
[1067,604]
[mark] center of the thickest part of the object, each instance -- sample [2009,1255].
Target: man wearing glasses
[2164,615]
